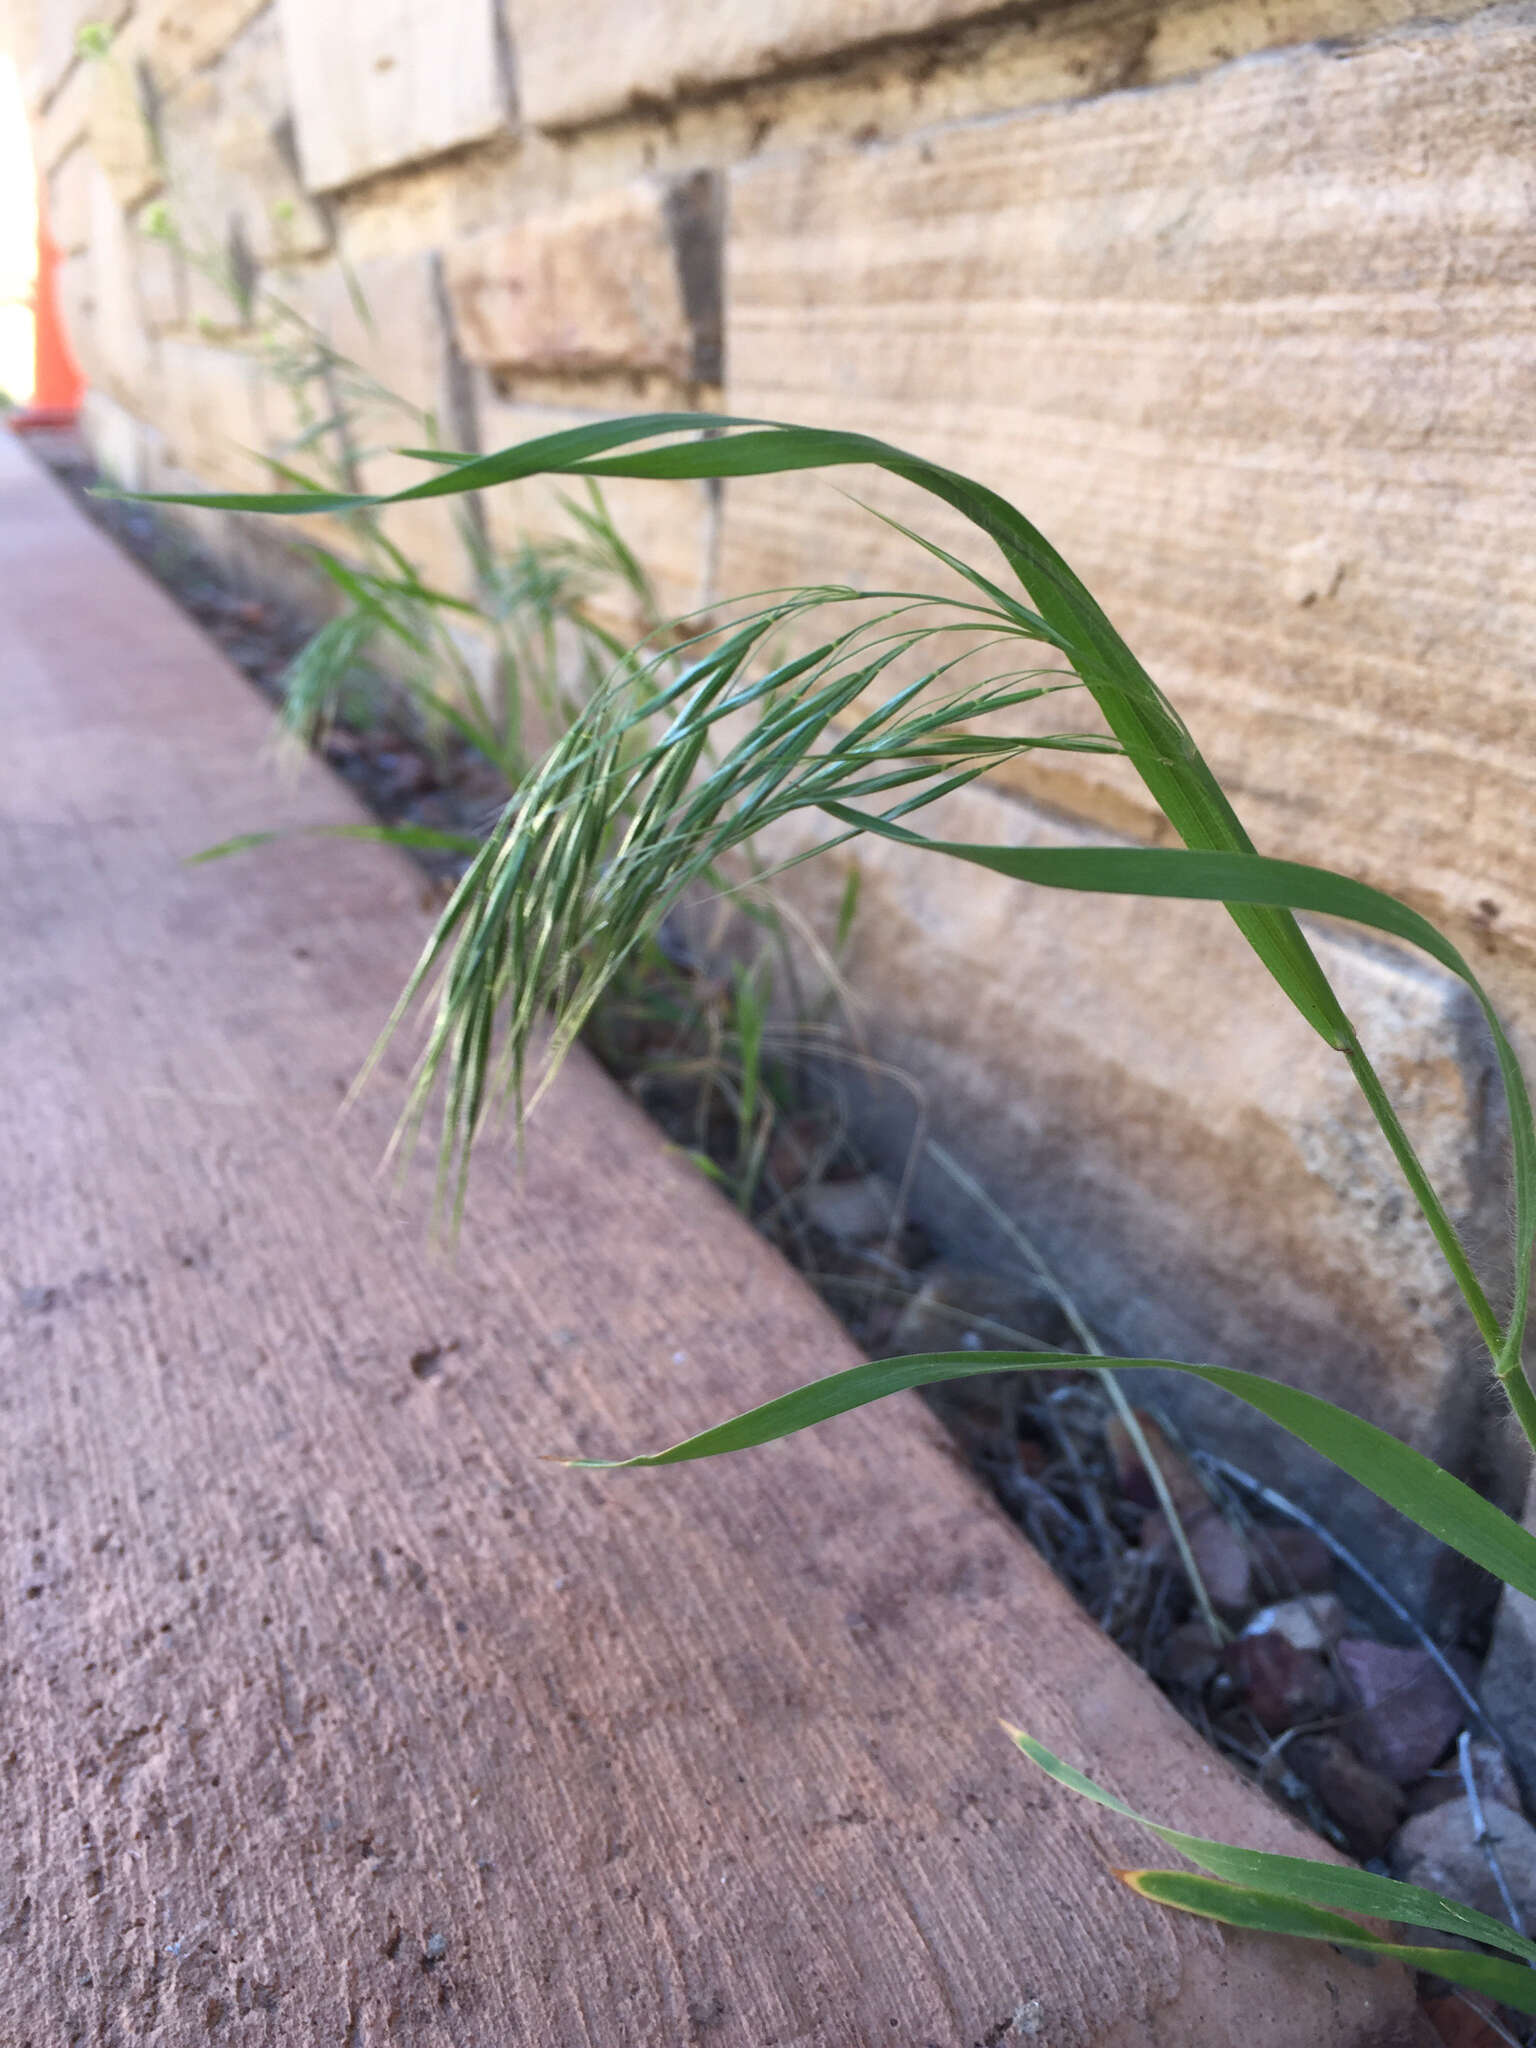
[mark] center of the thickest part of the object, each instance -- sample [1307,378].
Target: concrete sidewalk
[330,1715]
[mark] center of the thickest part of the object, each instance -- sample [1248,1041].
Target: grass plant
[862,709]
[504,673]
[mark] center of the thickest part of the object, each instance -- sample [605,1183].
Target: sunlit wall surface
[18,239]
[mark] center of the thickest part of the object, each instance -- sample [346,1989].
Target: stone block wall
[1237,298]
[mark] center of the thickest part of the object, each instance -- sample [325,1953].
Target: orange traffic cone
[58,385]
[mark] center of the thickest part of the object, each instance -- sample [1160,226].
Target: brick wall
[1236,297]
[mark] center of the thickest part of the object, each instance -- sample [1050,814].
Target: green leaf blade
[422,838]
[1339,1886]
[1393,1471]
[1234,1905]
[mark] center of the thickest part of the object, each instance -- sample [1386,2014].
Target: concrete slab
[333,1716]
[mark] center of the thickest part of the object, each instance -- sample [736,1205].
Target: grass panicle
[631,808]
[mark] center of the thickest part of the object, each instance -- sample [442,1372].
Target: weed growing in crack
[559,624]
[620,819]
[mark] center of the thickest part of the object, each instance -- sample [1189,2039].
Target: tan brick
[386,317]
[184,35]
[77,307]
[99,297]
[430,535]
[388,322]
[579,58]
[125,448]
[59,23]
[626,280]
[670,527]
[64,123]
[1259,354]
[162,275]
[582,60]
[231,176]
[207,406]
[120,130]
[69,199]
[377,83]
[211,406]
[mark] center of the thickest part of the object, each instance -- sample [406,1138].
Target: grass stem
[1369,1083]
[1083,1330]
[1507,1363]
